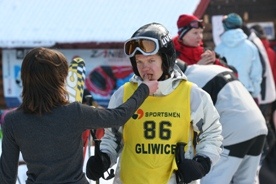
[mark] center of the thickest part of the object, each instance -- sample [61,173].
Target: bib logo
[139,114]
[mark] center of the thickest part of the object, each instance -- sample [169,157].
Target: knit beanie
[183,24]
[232,21]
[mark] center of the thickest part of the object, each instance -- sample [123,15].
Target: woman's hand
[152,84]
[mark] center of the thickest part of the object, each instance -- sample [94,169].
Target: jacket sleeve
[10,154]
[112,143]
[256,72]
[205,120]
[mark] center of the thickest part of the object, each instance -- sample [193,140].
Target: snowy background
[43,23]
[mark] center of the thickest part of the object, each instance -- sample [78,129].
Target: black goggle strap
[183,31]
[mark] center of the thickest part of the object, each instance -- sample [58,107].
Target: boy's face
[149,65]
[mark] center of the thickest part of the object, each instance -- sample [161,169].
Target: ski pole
[89,101]
[179,157]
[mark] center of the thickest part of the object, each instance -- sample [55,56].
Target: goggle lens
[196,24]
[144,45]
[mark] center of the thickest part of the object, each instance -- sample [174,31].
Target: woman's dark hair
[43,75]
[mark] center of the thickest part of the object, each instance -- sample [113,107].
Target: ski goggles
[194,24]
[146,45]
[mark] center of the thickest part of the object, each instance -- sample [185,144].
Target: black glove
[194,169]
[97,165]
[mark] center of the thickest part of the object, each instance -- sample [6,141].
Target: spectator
[258,30]
[241,53]
[272,58]
[189,45]
[268,93]
[268,165]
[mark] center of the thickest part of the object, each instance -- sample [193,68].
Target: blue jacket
[243,55]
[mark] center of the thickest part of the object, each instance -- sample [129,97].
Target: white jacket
[268,92]
[243,55]
[240,117]
[204,117]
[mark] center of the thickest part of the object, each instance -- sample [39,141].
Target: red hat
[183,23]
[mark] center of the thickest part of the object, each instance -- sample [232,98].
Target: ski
[75,84]
[75,79]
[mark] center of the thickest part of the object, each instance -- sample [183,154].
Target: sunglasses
[146,45]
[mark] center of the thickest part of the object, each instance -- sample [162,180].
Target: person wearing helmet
[180,114]
[241,53]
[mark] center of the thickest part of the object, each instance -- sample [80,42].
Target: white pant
[233,170]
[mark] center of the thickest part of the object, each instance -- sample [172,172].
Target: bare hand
[153,85]
[207,58]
